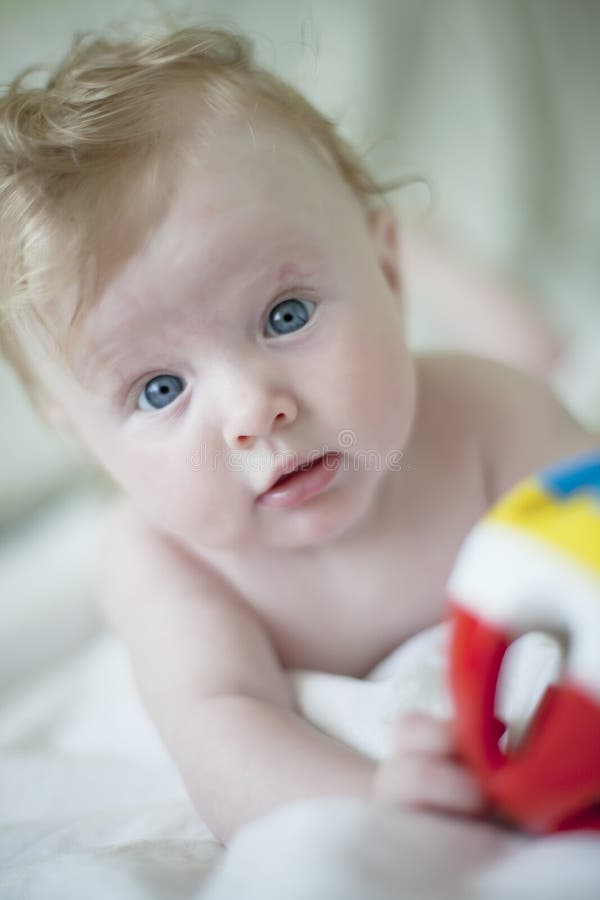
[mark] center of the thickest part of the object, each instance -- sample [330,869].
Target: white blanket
[92,807]
[343,849]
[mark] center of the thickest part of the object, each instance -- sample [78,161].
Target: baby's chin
[324,520]
[347,508]
[277,534]
[271,530]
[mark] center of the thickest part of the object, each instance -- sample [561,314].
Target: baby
[201,281]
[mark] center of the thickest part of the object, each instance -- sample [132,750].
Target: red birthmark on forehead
[288,272]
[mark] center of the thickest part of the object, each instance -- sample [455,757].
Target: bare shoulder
[142,567]
[132,550]
[181,621]
[517,420]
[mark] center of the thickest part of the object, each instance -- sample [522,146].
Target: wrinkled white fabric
[345,849]
[91,806]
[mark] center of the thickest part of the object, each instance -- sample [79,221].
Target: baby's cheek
[206,511]
[392,399]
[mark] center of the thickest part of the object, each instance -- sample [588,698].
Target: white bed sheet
[91,807]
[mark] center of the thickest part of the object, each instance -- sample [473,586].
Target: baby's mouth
[292,468]
[302,467]
[306,480]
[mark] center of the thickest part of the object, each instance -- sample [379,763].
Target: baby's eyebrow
[110,356]
[101,362]
[289,272]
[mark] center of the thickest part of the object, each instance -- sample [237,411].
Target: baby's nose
[257,415]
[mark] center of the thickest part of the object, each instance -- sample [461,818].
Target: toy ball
[533,564]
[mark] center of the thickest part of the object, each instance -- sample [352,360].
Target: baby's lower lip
[303,484]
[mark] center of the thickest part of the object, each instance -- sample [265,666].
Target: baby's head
[192,260]
[87,163]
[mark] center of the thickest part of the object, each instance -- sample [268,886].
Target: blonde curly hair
[74,152]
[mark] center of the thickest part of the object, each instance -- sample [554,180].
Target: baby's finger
[418,732]
[429,783]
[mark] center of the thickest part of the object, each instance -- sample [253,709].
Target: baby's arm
[212,682]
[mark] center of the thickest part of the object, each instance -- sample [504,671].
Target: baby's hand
[423,770]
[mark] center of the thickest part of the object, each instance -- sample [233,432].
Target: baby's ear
[384,234]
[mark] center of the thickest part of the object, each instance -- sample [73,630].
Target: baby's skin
[258,328]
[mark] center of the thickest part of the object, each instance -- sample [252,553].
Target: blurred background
[496,103]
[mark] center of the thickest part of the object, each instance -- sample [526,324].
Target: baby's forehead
[223,183]
[244,192]
[245,158]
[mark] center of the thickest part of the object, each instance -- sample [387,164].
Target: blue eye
[160,392]
[289,315]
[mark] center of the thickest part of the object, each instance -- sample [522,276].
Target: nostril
[280,417]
